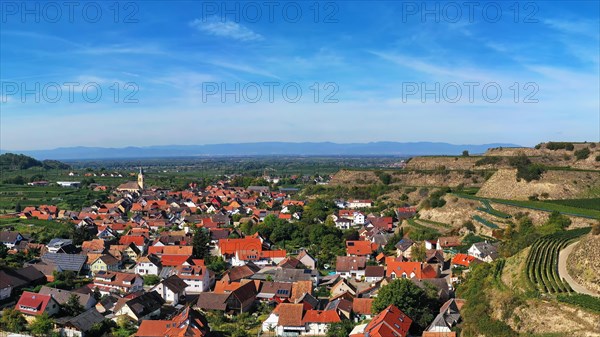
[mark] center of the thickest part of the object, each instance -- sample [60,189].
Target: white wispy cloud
[228,29]
[580,27]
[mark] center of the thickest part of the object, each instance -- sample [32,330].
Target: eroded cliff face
[553,184]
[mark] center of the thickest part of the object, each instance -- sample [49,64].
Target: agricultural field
[592,203]
[12,196]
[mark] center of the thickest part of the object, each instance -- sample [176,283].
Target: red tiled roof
[230,246]
[362,306]
[360,248]
[173,260]
[463,260]
[389,322]
[36,302]
[321,316]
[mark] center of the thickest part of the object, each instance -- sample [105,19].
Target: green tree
[340,329]
[151,280]
[13,321]
[418,252]
[465,153]
[42,325]
[415,302]
[97,294]
[200,243]
[72,307]
[124,328]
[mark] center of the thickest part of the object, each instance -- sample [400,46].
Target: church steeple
[141,178]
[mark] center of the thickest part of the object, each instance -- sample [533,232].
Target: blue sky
[372,61]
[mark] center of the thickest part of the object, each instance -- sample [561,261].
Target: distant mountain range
[261,149]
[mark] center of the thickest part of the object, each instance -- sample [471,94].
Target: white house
[351,266]
[148,265]
[359,203]
[359,218]
[171,289]
[197,278]
[10,238]
[317,322]
[483,251]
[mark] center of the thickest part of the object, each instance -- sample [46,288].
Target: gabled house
[105,262]
[286,319]
[391,321]
[13,280]
[307,260]
[58,245]
[109,282]
[239,300]
[343,286]
[148,265]
[62,296]
[125,253]
[197,278]
[142,307]
[275,291]
[361,308]
[64,262]
[188,323]
[484,251]
[171,289]
[140,241]
[317,322]
[96,246]
[10,238]
[79,325]
[404,248]
[463,260]
[374,273]
[32,304]
[447,318]
[402,269]
[351,266]
[360,248]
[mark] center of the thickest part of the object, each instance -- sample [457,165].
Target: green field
[593,203]
[39,230]
[541,206]
[64,198]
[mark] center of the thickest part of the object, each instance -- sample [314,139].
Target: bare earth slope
[558,184]
[584,263]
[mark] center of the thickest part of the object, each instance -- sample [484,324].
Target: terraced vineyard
[485,222]
[542,261]
[487,208]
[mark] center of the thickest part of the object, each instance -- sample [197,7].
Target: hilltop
[12,162]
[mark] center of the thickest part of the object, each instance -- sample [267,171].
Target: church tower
[141,178]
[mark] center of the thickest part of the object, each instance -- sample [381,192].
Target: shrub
[582,154]
[526,169]
[488,160]
[560,146]
[151,280]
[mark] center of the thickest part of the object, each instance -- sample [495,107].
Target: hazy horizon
[141,73]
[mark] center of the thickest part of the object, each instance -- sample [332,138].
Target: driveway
[564,274]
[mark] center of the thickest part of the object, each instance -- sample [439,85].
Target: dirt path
[564,274]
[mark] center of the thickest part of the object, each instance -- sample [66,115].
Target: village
[155,262]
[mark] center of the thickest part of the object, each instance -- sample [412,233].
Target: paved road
[562,271]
